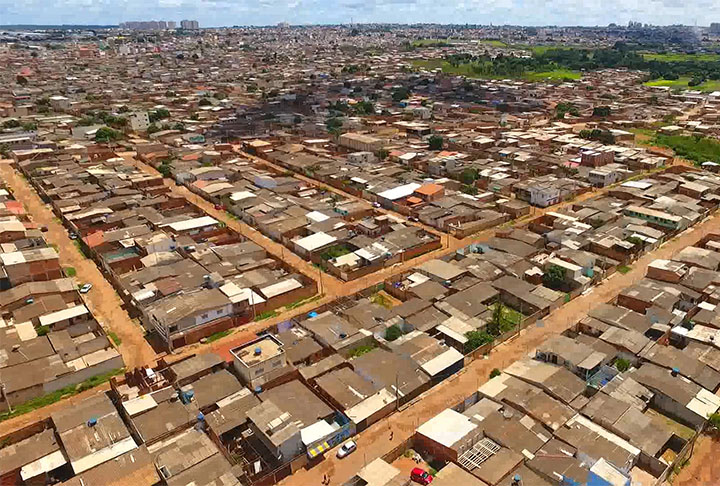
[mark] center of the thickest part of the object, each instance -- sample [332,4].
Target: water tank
[201,417]
[675,371]
[92,422]
[258,351]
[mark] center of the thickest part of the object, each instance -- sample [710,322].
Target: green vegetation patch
[683,83]
[58,395]
[70,271]
[360,350]
[115,338]
[695,148]
[624,269]
[266,315]
[335,252]
[218,335]
[680,57]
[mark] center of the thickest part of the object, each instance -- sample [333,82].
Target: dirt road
[374,442]
[329,286]
[703,469]
[102,300]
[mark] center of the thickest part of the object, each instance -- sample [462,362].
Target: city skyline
[225,13]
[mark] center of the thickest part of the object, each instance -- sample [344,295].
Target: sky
[218,13]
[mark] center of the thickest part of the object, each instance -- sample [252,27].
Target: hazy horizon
[226,13]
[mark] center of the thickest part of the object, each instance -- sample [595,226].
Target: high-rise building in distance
[189,24]
[148,25]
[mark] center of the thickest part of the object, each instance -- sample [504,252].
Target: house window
[204,316]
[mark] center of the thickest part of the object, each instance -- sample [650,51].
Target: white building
[139,121]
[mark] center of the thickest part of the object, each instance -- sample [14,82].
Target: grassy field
[682,83]
[698,149]
[431,42]
[467,71]
[493,43]
[679,57]
[557,74]
[541,49]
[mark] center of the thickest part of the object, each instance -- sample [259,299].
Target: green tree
[435,142]
[601,111]
[399,94]
[393,332]
[554,277]
[495,372]
[159,114]
[334,126]
[13,123]
[714,420]
[622,365]
[495,325]
[562,108]
[153,128]
[105,134]
[204,102]
[29,126]
[475,339]
[469,175]
[383,154]
[5,151]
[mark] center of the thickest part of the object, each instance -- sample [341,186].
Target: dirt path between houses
[375,441]
[102,300]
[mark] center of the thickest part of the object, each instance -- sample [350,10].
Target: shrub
[495,372]
[622,365]
[393,332]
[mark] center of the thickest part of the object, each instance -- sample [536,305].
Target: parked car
[376,205]
[44,228]
[85,288]
[220,207]
[346,449]
[421,476]
[73,236]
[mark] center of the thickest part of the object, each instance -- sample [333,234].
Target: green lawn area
[467,71]
[510,319]
[679,57]
[493,43]
[70,271]
[682,83]
[624,269]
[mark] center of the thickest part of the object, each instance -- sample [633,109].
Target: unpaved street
[374,442]
[102,300]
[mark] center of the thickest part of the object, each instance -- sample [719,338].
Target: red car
[220,207]
[420,476]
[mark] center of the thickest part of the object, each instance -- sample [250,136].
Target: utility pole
[397,391]
[4,396]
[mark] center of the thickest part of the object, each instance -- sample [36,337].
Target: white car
[346,449]
[85,288]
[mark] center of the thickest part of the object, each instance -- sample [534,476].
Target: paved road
[375,441]
[102,300]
